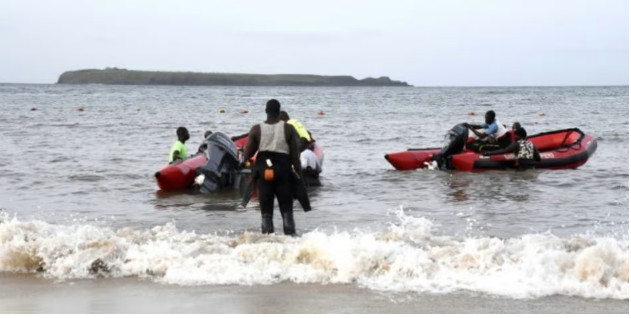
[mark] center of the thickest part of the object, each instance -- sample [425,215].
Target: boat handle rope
[575,145]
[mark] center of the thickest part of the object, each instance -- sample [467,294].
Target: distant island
[118,76]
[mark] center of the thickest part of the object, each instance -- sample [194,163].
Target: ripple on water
[86,177]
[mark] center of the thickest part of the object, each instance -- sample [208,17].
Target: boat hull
[561,149]
[181,175]
[412,158]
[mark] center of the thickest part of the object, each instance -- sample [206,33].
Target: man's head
[207,133]
[516,125]
[272,107]
[521,133]
[489,117]
[182,133]
[283,115]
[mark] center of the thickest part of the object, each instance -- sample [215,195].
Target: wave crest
[405,257]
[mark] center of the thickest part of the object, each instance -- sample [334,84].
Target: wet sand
[31,294]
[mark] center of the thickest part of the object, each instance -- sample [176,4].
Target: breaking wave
[406,257]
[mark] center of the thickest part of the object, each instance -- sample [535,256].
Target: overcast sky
[425,43]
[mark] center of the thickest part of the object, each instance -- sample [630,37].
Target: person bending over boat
[310,168]
[305,138]
[178,150]
[493,137]
[523,149]
[277,146]
[203,146]
[308,160]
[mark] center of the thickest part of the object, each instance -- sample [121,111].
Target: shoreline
[27,293]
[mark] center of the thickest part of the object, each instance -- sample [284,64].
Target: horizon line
[410,85]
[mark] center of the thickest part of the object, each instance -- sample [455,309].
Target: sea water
[82,217]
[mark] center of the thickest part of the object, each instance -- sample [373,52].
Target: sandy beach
[30,294]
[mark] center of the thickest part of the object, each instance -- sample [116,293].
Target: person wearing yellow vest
[178,151]
[303,133]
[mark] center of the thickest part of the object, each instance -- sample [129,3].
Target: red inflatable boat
[560,149]
[181,175]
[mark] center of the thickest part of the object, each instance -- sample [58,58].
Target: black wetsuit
[280,187]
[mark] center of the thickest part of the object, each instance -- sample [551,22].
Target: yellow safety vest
[179,146]
[302,132]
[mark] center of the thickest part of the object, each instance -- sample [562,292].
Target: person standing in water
[178,150]
[203,145]
[277,146]
[303,134]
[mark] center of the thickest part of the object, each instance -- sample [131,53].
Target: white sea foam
[406,257]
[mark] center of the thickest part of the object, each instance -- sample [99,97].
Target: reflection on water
[222,204]
[162,194]
[459,188]
[509,185]
[164,206]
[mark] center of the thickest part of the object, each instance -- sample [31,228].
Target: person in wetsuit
[277,159]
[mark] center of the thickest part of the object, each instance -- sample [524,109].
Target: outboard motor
[221,169]
[455,141]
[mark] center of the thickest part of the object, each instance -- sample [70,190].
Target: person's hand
[246,164]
